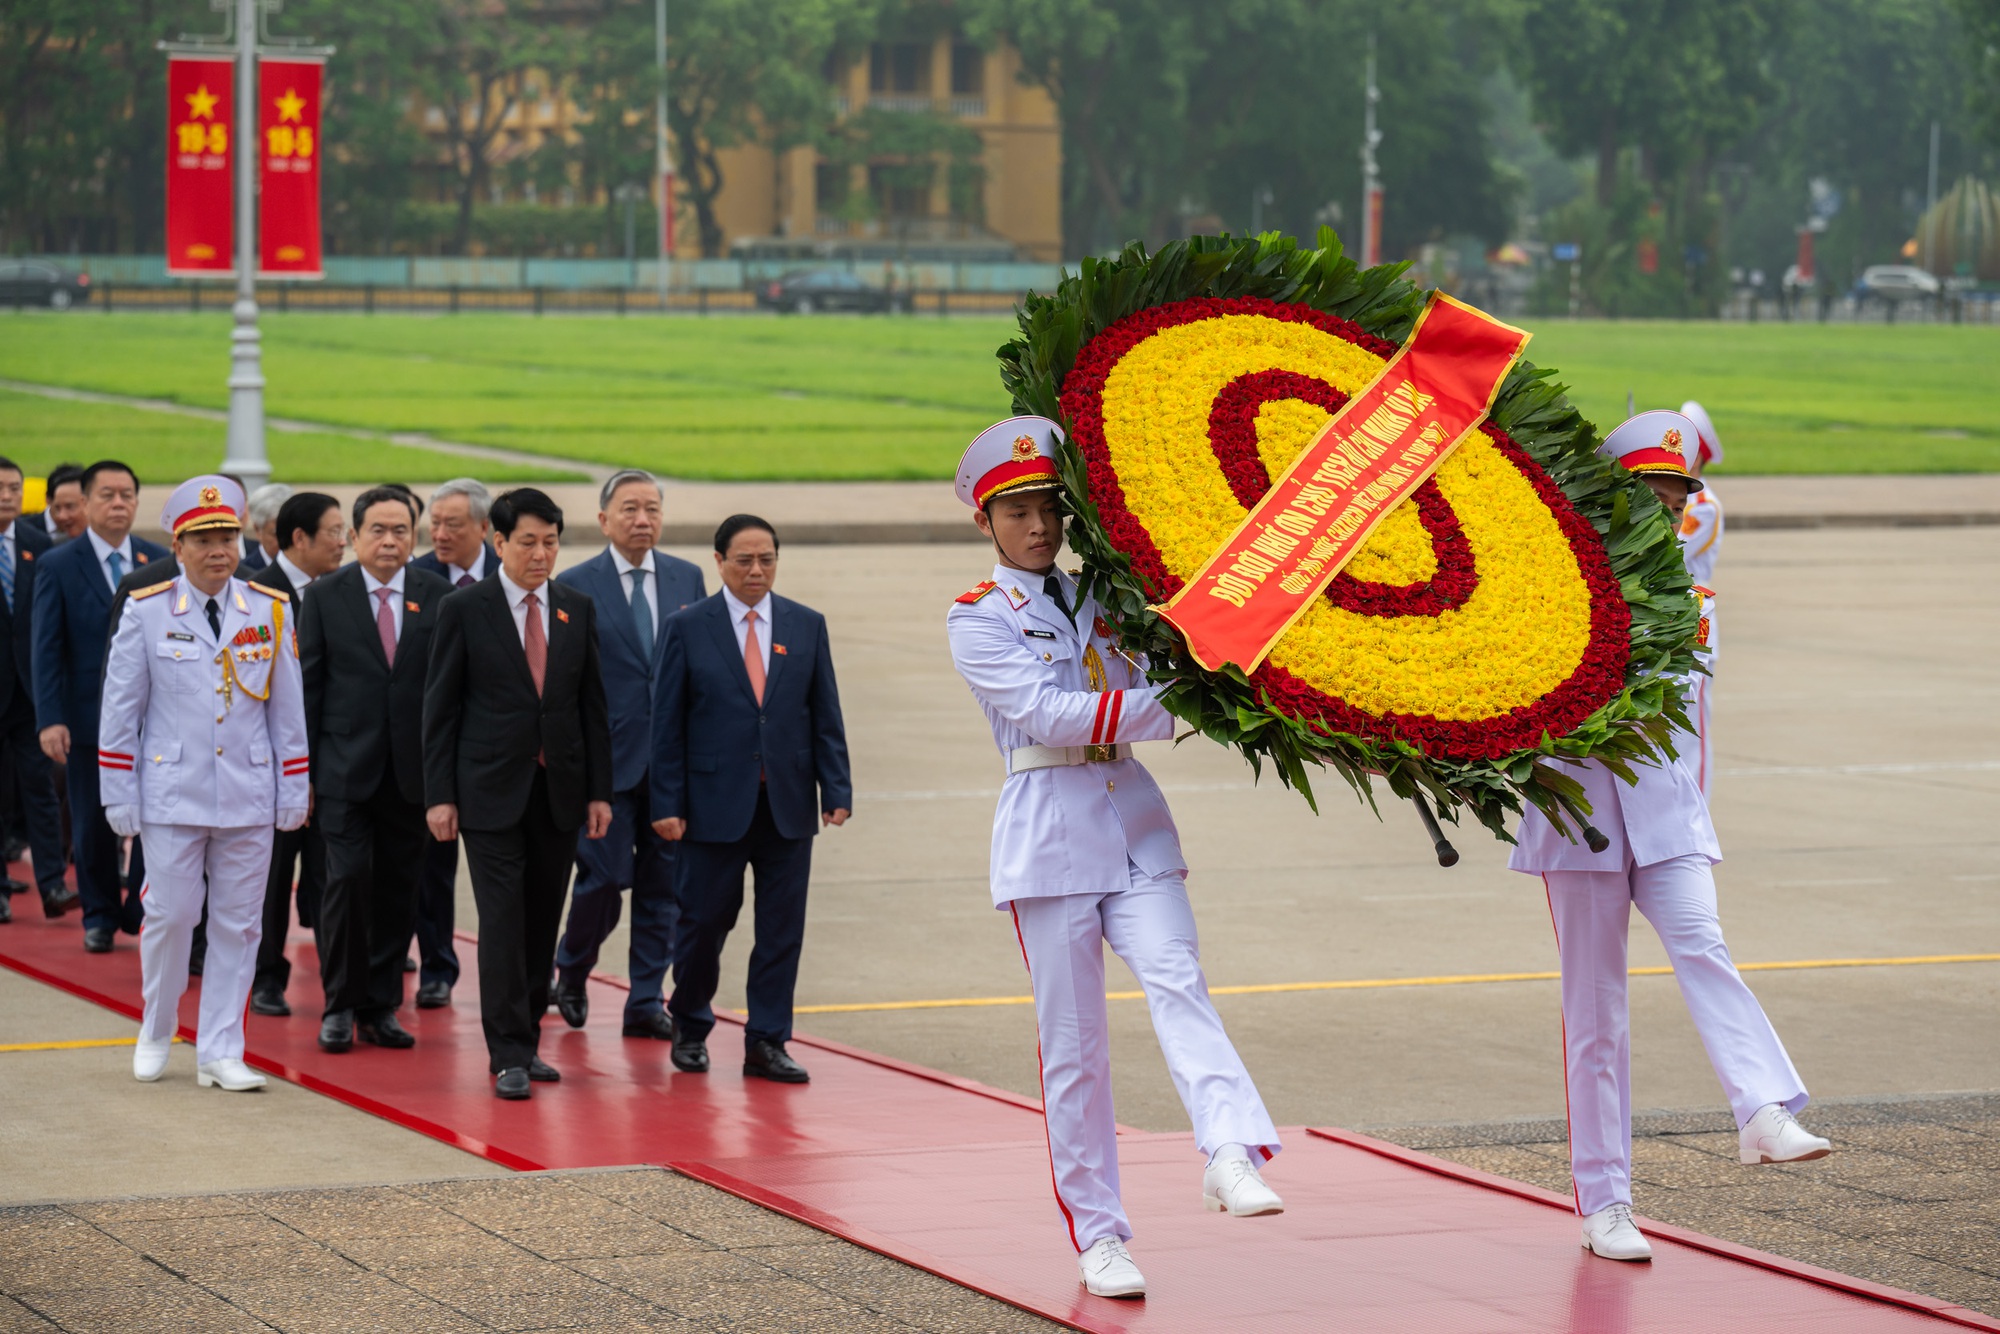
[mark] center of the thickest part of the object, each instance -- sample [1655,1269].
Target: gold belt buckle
[1100,754]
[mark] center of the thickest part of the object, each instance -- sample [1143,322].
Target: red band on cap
[1012,474]
[1655,460]
[198,515]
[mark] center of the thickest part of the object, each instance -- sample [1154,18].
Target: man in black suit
[62,508]
[73,588]
[461,554]
[749,757]
[517,756]
[310,531]
[25,767]
[364,647]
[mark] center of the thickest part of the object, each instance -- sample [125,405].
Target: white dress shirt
[395,586]
[301,581]
[104,550]
[650,585]
[738,611]
[517,604]
[453,573]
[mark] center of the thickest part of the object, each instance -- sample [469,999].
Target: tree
[746,71]
[1982,25]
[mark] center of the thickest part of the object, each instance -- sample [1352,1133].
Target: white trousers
[1151,927]
[235,864]
[1592,912]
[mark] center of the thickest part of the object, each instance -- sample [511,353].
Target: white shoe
[1773,1136]
[149,1059]
[1107,1270]
[1232,1186]
[228,1073]
[1611,1234]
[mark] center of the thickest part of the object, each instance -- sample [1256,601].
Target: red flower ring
[1597,678]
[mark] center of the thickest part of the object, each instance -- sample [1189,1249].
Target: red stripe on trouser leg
[1097,727]
[1569,1130]
[1069,1220]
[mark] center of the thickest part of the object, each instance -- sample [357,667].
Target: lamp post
[245,457]
[663,157]
[1371,177]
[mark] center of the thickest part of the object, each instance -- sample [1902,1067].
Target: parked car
[1895,283]
[803,291]
[29,282]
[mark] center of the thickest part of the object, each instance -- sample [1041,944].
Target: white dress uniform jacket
[1664,816]
[1701,534]
[1070,829]
[186,734]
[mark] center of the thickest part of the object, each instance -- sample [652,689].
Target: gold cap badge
[1024,449]
[1671,442]
[210,496]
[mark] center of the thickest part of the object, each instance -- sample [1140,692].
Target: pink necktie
[464,581]
[536,641]
[385,623]
[753,655]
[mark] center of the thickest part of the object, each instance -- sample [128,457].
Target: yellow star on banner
[290,105]
[201,103]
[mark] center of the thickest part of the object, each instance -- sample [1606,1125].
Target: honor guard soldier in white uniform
[203,748]
[1085,853]
[1701,543]
[1661,849]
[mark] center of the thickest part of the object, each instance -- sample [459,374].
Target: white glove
[124,820]
[292,817]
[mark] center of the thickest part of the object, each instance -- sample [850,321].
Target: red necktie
[753,655]
[385,623]
[536,641]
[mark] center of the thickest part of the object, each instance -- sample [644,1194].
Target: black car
[29,282]
[804,291]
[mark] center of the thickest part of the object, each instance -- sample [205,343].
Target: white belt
[1023,758]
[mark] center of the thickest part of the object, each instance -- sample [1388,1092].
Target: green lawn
[852,397]
[39,432]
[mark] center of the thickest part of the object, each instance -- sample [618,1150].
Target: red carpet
[953,1177]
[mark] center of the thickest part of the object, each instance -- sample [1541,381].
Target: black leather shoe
[542,1072]
[269,1002]
[13,886]
[409,963]
[654,1025]
[433,996]
[574,1004]
[336,1031]
[690,1054]
[97,939]
[60,902]
[512,1084]
[384,1031]
[767,1060]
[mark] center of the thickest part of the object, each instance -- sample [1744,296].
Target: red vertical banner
[289,150]
[201,224]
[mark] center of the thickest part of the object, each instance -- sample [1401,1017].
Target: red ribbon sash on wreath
[1375,452]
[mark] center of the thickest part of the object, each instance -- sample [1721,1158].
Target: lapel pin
[411,606]
[562,615]
[140,557]
[778,649]
[27,555]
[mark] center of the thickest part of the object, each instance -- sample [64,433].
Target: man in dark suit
[26,768]
[71,625]
[461,554]
[517,756]
[634,588]
[364,647]
[260,526]
[309,531]
[62,507]
[749,756]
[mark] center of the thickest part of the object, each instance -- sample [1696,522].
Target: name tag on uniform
[181,635]
[1039,634]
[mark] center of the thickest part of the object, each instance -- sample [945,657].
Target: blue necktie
[642,613]
[117,564]
[7,569]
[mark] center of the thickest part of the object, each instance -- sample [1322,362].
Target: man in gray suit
[635,588]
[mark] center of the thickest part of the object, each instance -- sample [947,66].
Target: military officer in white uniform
[1085,853]
[1662,847]
[203,748]
[1701,543]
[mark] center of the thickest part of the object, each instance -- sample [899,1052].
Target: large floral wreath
[1527,603]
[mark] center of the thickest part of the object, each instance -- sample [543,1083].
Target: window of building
[968,70]
[899,67]
[901,190]
[829,187]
